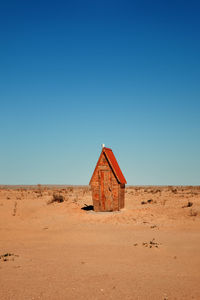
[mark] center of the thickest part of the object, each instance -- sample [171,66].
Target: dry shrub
[189,204]
[156,191]
[15,209]
[193,213]
[75,200]
[39,191]
[86,190]
[150,201]
[143,202]
[56,198]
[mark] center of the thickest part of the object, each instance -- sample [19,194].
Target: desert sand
[57,250]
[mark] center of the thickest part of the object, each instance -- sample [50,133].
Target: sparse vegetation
[151,244]
[147,239]
[15,209]
[143,202]
[163,201]
[193,213]
[7,256]
[71,189]
[153,226]
[149,201]
[39,191]
[56,198]
[189,204]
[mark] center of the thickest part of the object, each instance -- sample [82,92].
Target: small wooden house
[107,183]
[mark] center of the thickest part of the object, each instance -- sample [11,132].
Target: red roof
[114,165]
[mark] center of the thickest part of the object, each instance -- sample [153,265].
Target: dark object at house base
[107,183]
[87,207]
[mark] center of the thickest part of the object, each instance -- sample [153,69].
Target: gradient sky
[76,74]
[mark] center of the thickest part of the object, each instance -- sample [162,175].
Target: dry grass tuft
[150,201]
[189,204]
[56,198]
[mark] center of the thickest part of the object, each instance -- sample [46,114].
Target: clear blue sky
[76,74]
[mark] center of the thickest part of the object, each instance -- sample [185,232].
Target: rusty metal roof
[113,163]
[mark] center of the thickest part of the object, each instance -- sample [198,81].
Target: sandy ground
[149,250]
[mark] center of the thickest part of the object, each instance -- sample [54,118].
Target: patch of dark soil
[8,256]
[151,244]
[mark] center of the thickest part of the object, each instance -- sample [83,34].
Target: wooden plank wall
[116,190]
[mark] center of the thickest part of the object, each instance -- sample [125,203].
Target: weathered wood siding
[107,193]
[122,195]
